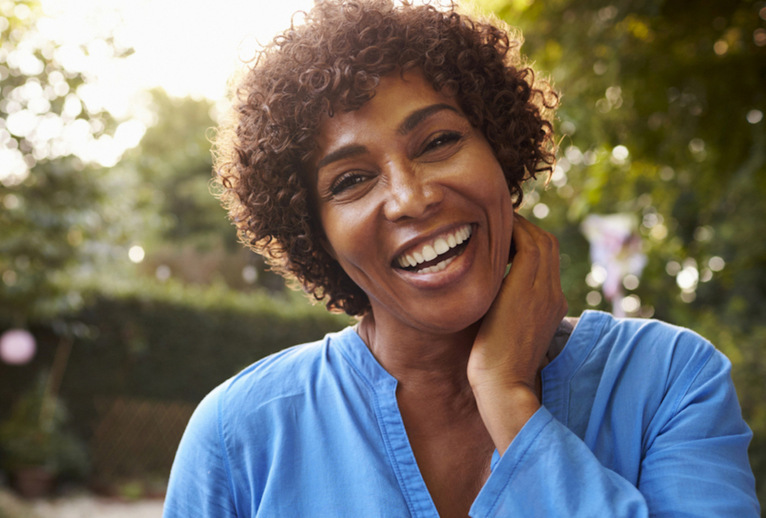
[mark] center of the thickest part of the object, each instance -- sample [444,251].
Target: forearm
[509,349]
[505,409]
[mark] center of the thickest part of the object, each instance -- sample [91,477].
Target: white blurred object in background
[615,251]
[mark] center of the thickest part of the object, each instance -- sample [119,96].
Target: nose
[411,193]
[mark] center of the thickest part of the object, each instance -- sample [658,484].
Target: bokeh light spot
[716,263]
[136,254]
[541,211]
[631,304]
[17,346]
[593,298]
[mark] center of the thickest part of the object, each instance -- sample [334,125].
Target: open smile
[436,254]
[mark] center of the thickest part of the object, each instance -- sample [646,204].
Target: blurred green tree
[662,117]
[193,239]
[56,217]
[174,165]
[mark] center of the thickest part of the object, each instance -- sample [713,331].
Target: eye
[346,181]
[441,140]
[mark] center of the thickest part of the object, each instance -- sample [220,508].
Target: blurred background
[125,297]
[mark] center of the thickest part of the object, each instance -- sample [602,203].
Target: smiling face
[414,206]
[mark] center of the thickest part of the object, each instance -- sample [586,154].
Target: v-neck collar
[555,376]
[383,387]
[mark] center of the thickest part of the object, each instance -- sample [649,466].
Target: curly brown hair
[334,61]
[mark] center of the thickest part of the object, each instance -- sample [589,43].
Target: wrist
[505,409]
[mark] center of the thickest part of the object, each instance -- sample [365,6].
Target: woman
[376,157]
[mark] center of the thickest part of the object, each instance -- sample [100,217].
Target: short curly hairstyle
[334,61]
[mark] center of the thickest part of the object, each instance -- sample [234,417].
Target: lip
[420,240]
[457,266]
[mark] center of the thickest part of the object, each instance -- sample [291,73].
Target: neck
[428,365]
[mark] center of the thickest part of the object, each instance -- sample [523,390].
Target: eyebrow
[341,153]
[407,125]
[418,116]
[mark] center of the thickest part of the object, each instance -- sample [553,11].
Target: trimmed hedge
[162,350]
[167,342]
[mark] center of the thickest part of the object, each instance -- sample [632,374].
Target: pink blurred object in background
[17,346]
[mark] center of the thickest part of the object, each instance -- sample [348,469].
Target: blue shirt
[639,418]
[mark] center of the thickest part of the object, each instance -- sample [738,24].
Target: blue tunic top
[639,418]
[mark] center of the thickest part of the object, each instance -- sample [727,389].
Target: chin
[452,318]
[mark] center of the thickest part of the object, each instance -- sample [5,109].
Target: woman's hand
[514,336]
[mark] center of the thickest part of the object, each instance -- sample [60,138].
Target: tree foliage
[662,114]
[173,164]
[58,212]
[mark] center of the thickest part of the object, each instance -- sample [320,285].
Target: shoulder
[643,338]
[269,377]
[638,375]
[261,388]
[248,432]
[644,355]
[283,374]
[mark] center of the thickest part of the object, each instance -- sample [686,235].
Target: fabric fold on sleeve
[548,471]
[200,483]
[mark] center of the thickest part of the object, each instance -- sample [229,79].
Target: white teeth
[432,250]
[429,254]
[406,260]
[437,267]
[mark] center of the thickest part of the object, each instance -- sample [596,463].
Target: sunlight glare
[190,51]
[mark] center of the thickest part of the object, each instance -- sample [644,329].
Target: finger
[536,245]
[548,278]
[526,260]
[547,249]
[538,264]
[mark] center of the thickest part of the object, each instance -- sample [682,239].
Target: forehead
[396,97]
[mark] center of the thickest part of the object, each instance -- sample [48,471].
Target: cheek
[347,237]
[496,192]
[505,215]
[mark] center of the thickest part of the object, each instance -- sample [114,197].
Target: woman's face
[414,206]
